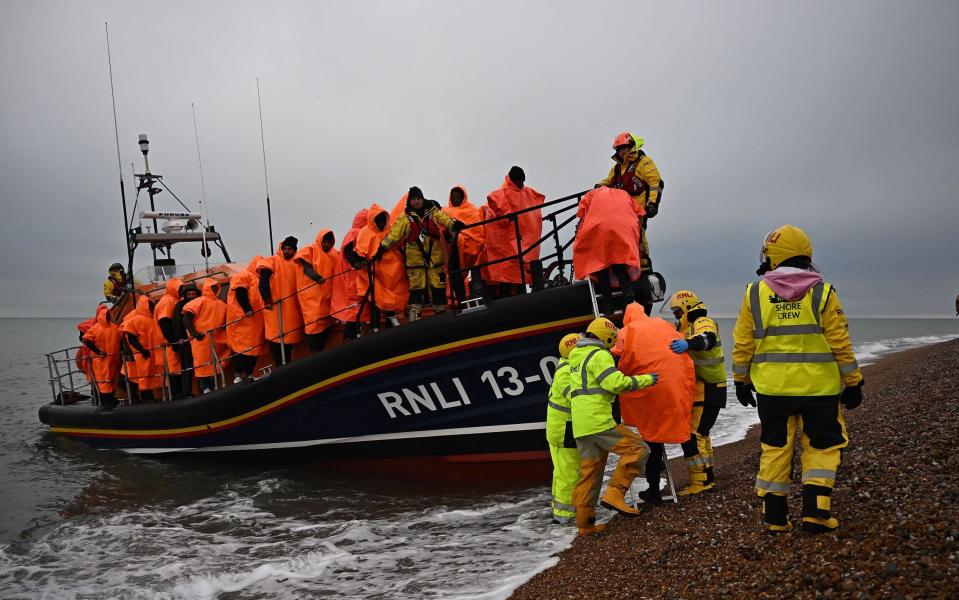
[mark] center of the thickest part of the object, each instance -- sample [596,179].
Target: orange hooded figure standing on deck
[244,315]
[277,285]
[103,341]
[203,317]
[144,337]
[163,313]
[347,303]
[661,413]
[608,240]
[317,263]
[390,287]
[501,241]
[468,243]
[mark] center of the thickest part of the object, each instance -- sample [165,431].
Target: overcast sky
[842,118]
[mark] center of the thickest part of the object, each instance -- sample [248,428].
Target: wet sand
[897,498]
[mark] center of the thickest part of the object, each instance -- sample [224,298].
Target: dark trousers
[243,365]
[317,341]
[277,351]
[186,370]
[655,464]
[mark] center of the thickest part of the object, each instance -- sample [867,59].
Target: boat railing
[69,382]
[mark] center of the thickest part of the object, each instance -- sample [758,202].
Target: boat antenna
[205,251]
[123,193]
[266,179]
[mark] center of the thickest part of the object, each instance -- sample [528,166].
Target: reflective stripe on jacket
[594,384]
[784,347]
[558,412]
[710,364]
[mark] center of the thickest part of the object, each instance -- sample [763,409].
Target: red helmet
[623,139]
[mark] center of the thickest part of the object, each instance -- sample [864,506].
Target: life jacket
[627,180]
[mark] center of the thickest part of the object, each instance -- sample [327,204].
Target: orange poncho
[345,303]
[469,242]
[164,310]
[209,313]
[501,235]
[391,287]
[608,232]
[105,335]
[315,299]
[145,372]
[245,334]
[282,285]
[661,412]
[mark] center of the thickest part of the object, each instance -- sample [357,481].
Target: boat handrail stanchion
[279,319]
[213,361]
[559,246]
[56,370]
[519,252]
[53,387]
[66,354]
[126,382]
[167,390]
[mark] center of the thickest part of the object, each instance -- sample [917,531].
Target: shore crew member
[317,264]
[163,313]
[420,230]
[277,285]
[792,346]
[244,317]
[559,436]
[348,305]
[701,340]
[115,284]
[607,242]
[660,413]
[388,288]
[594,383]
[465,246]
[188,292]
[103,340]
[206,316]
[143,336]
[505,278]
[636,174]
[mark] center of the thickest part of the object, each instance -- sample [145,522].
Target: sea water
[78,523]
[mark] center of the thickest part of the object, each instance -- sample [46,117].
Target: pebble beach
[896,498]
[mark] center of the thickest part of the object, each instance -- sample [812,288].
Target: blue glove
[655,377]
[679,346]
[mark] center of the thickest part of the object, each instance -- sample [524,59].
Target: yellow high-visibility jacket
[793,348]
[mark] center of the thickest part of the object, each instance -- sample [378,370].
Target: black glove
[380,250]
[145,353]
[744,394]
[458,226]
[852,396]
[652,209]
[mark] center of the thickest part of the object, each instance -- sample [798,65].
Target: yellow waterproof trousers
[823,437]
[593,451]
[565,476]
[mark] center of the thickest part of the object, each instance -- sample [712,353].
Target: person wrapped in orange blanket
[660,413]
[389,289]
[103,342]
[277,285]
[202,317]
[348,305]
[506,278]
[163,313]
[607,242]
[142,334]
[466,246]
[244,317]
[317,264]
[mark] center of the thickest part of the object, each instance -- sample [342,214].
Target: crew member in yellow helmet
[704,345]
[559,435]
[594,384]
[792,346]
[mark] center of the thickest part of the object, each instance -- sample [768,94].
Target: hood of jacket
[791,283]
[359,220]
[252,266]
[322,234]
[143,307]
[103,315]
[210,288]
[466,197]
[375,209]
[173,288]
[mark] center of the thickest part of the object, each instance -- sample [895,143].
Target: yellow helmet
[685,301]
[784,243]
[604,330]
[567,344]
